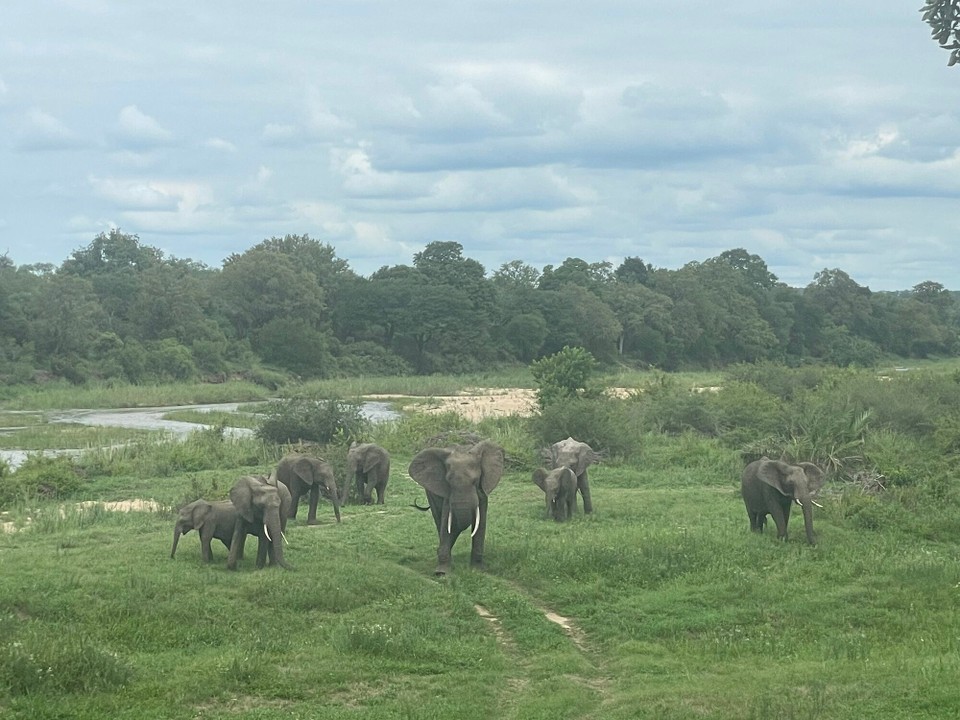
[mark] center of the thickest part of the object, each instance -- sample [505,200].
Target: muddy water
[152,419]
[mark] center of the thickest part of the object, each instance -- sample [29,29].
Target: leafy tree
[261,285]
[67,319]
[525,333]
[943,17]
[632,270]
[563,375]
[294,345]
[574,271]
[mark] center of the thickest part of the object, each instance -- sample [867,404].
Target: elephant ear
[491,464]
[774,473]
[815,477]
[371,458]
[429,468]
[241,495]
[199,514]
[303,468]
[539,478]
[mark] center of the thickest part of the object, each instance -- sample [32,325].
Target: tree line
[120,309]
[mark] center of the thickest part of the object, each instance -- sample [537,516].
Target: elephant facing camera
[771,487]
[262,505]
[560,491]
[458,481]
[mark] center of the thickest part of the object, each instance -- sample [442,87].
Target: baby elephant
[560,491]
[210,520]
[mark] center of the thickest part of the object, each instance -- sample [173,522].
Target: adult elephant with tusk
[458,481]
[770,487]
[262,505]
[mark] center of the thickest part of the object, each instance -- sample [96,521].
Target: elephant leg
[294,500]
[476,551]
[780,518]
[583,485]
[262,548]
[236,545]
[381,493]
[314,500]
[206,537]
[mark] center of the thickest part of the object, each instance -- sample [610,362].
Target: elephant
[262,506]
[369,464]
[772,486]
[303,473]
[577,456]
[210,520]
[458,481]
[560,491]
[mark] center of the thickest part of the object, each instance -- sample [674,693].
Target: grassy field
[673,610]
[661,604]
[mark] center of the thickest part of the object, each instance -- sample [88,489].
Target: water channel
[151,418]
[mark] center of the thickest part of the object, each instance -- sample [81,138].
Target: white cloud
[220,144]
[41,131]
[136,128]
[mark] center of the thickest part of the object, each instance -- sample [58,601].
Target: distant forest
[119,309]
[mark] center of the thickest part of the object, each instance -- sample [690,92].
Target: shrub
[563,375]
[779,380]
[743,411]
[605,424]
[41,477]
[664,405]
[302,419]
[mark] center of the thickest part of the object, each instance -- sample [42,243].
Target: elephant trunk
[274,535]
[460,517]
[177,532]
[335,499]
[807,504]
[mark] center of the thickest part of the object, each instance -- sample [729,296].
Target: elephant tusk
[816,503]
[267,533]
[449,523]
[284,537]
[476,523]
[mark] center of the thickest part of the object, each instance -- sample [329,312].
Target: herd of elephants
[458,480]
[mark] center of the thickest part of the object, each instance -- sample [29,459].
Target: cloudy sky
[815,134]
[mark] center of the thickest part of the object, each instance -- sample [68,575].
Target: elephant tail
[421,509]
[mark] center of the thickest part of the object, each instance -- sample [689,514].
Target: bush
[605,424]
[41,477]
[743,411]
[783,382]
[664,405]
[304,419]
[563,375]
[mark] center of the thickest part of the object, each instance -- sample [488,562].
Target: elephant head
[306,474]
[369,465]
[559,488]
[577,456]
[458,481]
[771,486]
[259,505]
[190,517]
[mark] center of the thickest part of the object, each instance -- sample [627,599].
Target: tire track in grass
[528,668]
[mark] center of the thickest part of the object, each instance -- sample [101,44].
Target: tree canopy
[118,308]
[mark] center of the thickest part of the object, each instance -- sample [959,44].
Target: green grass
[55,396]
[214,417]
[677,610]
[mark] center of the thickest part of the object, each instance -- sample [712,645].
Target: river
[151,418]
